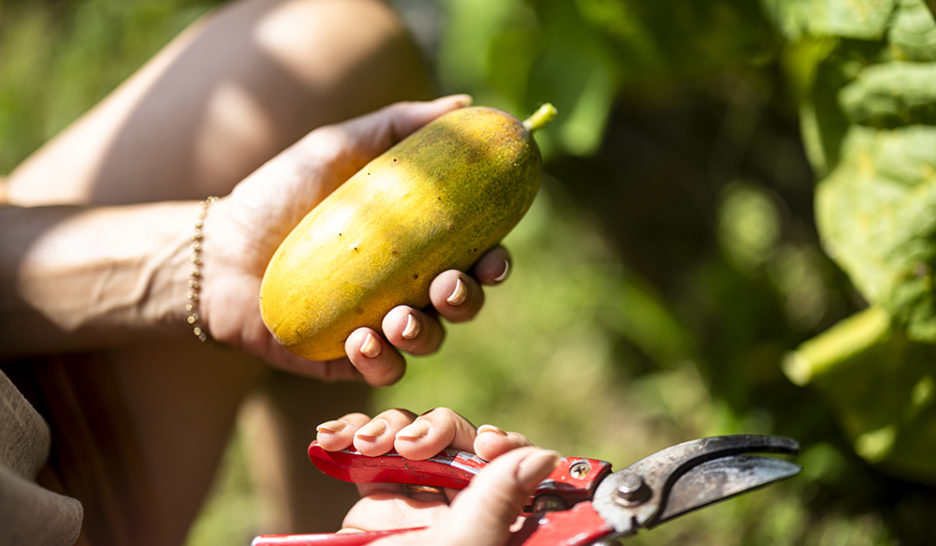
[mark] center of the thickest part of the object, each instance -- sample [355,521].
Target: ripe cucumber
[437,200]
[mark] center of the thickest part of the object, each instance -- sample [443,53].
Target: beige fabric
[29,514]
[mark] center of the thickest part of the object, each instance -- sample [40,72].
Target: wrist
[193,307]
[225,292]
[164,307]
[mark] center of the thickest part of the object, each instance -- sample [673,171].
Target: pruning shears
[582,501]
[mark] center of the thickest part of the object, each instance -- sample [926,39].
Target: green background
[736,233]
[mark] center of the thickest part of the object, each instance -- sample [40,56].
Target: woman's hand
[243,230]
[481,514]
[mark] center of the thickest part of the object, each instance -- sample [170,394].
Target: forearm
[77,278]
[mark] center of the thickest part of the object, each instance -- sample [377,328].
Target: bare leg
[280,419]
[225,96]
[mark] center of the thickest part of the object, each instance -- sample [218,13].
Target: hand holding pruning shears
[567,501]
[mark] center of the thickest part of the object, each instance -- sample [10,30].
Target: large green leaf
[869,118]
[870,121]
[877,215]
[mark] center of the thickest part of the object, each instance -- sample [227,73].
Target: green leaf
[883,387]
[912,34]
[891,95]
[860,19]
[876,214]
[574,70]
[867,83]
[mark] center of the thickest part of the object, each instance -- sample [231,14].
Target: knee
[358,53]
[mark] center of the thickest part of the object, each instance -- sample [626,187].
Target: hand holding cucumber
[357,244]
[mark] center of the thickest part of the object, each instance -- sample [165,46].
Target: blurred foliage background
[736,233]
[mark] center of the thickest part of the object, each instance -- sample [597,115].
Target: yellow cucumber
[437,200]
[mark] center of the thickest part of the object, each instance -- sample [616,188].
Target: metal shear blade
[688,476]
[720,479]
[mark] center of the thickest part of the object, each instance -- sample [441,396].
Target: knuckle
[398,414]
[443,414]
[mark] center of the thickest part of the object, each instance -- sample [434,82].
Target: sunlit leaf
[877,216]
[864,19]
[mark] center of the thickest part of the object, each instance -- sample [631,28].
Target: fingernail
[330,427]
[414,431]
[371,347]
[491,428]
[371,430]
[536,467]
[500,278]
[461,100]
[459,293]
[412,327]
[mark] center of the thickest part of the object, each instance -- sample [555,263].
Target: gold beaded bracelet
[191,305]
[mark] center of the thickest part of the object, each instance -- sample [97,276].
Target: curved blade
[689,475]
[719,479]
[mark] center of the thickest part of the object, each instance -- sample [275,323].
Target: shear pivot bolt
[632,490]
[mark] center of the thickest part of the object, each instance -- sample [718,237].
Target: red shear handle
[576,527]
[326,539]
[571,484]
[573,480]
[450,468]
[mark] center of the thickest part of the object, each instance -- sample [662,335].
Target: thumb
[484,512]
[276,196]
[337,151]
[373,133]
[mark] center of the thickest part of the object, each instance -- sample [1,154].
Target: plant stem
[543,115]
[846,339]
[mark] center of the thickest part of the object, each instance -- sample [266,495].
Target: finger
[485,510]
[328,371]
[376,437]
[492,442]
[338,434]
[374,358]
[456,296]
[413,331]
[493,267]
[417,492]
[434,431]
[386,510]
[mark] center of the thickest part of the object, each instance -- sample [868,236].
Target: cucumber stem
[543,115]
